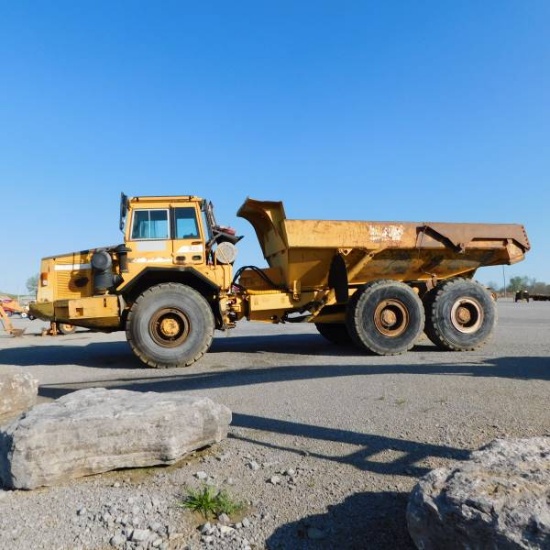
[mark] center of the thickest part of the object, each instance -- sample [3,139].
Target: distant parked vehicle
[521,295]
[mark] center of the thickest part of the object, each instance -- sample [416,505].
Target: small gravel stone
[117,540]
[140,535]
[226,529]
[224,519]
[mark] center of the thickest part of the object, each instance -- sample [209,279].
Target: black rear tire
[460,315]
[170,325]
[336,333]
[385,317]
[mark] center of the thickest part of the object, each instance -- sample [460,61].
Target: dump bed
[303,250]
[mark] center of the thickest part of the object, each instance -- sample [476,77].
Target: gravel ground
[325,445]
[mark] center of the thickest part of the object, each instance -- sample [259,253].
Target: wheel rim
[169,327]
[467,315]
[391,318]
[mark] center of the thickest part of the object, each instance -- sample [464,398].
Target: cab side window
[185,223]
[150,224]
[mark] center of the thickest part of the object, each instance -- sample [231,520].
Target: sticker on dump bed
[382,233]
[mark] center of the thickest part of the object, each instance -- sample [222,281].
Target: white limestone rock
[499,499]
[96,430]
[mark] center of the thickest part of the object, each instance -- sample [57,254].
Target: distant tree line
[515,284]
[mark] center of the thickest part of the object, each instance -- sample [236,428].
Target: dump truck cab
[178,233]
[167,239]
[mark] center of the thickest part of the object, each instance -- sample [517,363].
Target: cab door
[188,246]
[150,236]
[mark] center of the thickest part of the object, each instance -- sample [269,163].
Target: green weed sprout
[210,502]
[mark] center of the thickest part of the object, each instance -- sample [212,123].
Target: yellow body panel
[96,311]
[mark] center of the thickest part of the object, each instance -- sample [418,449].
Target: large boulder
[18,392]
[499,499]
[96,430]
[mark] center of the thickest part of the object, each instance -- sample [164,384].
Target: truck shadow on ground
[520,368]
[375,520]
[402,457]
[363,520]
[169,380]
[101,355]
[260,351]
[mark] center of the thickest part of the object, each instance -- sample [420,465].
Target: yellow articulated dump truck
[377,285]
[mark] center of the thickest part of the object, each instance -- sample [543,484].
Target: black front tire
[460,315]
[170,325]
[385,317]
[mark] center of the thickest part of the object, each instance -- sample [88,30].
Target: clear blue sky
[384,110]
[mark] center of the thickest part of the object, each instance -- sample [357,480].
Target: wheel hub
[463,315]
[391,318]
[467,315]
[388,318]
[169,327]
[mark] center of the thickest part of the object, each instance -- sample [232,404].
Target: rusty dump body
[302,252]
